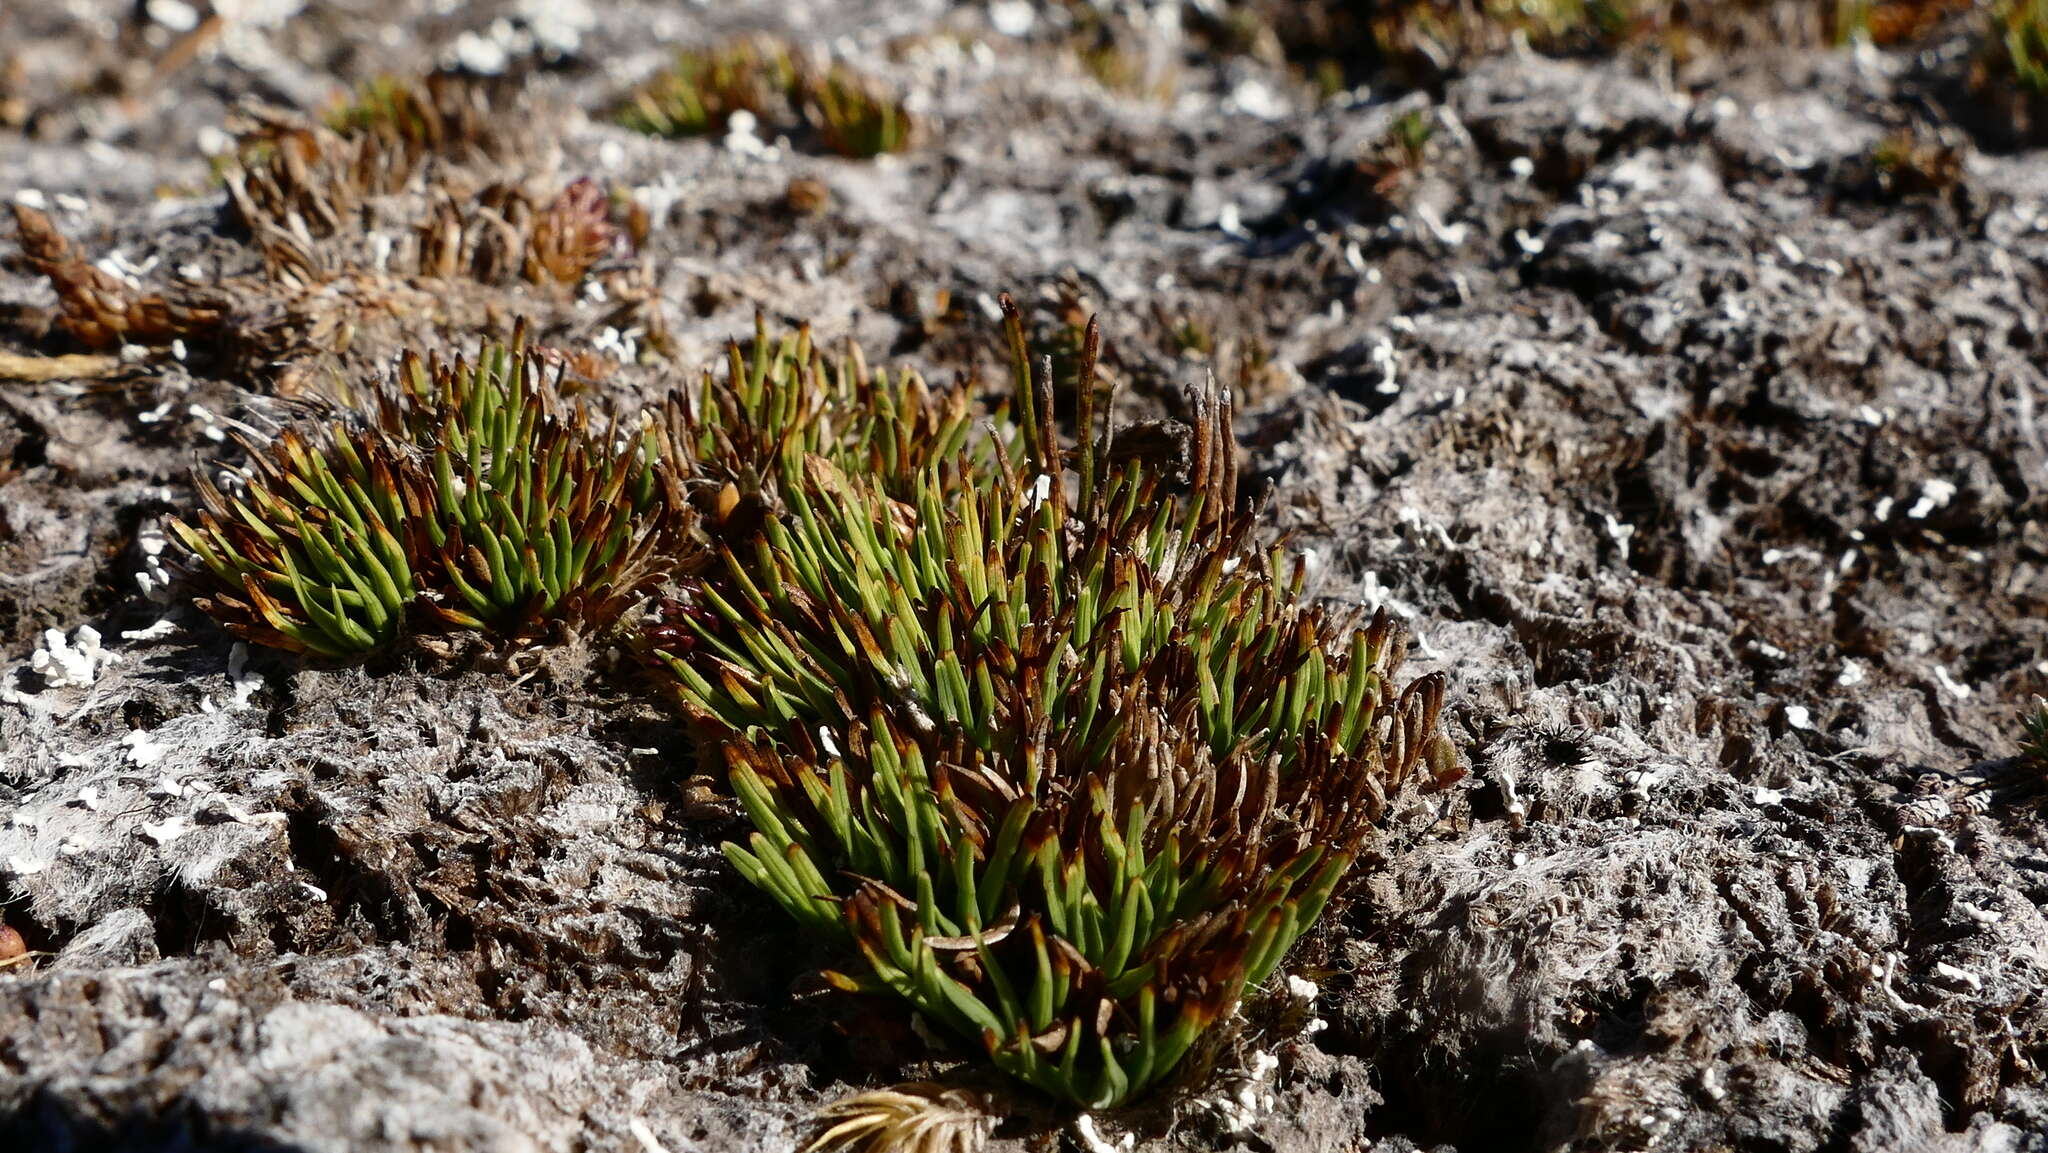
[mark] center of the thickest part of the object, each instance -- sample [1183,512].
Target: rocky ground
[1693,433]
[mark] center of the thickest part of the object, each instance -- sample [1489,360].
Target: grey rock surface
[1713,478]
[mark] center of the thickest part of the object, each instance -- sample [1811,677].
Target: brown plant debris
[919,1117]
[99,309]
[74,366]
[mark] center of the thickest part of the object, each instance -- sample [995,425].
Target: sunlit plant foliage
[783,399]
[698,94]
[470,496]
[701,92]
[2023,28]
[1058,750]
[851,116]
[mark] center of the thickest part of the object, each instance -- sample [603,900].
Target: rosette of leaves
[1069,771]
[571,234]
[472,497]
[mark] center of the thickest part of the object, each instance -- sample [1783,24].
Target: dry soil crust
[1713,479]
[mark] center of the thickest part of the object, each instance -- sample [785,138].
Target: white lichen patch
[243,682]
[156,630]
[143,750]
[77,660]
[1621,533]
[1303,993]
[1955,688]
[165,831]
[1934,494]
[1959,976]
[623,347]
[154,580]
[210,426]
[1093,1141]
[1012,17]
[1646,778]
[1246,1096]
[117,265]
[741,140]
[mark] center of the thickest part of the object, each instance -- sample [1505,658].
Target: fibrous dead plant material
[1050,743]
[38,369]
[919,1117]
[101,310]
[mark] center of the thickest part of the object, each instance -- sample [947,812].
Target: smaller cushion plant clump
[1060,753]
[470,497]
[781,88]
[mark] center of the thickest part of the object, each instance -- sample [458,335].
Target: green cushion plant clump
[783,399]
[1056,750]
[2023,25]
[469,496]
[781,88]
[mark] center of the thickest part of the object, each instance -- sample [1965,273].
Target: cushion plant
[1065,759]
[472,496]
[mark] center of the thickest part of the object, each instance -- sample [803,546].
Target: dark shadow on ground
[47,1123]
